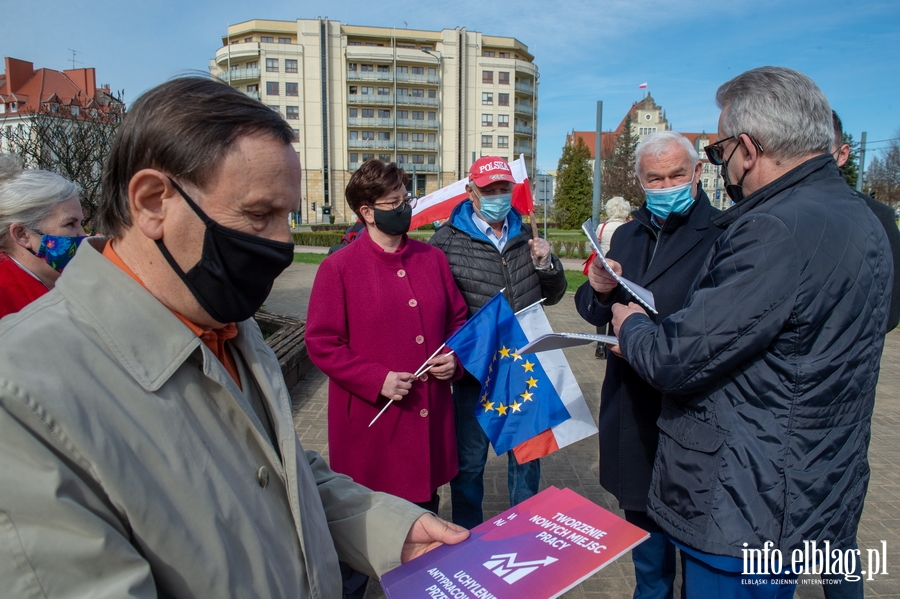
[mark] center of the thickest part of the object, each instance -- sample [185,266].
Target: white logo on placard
[506,567]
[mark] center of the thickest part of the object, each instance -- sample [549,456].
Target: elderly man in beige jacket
[146,439]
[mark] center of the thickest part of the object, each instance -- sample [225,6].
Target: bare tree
[883,175]
[71,139]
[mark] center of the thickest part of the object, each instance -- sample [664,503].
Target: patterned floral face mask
[57,250]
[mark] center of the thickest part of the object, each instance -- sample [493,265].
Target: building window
[502,141]
[503,78]
[418,158]
[487,120]
[503,99]
[402,114]
[284,40]
[403,137]
[253,88]
[267,39]
[432,93]
[431,158]
[366,157]
[354,90]
[504,55]
[706,168]
[384,157]
[384,135]
[384,91]
[354,112]
[432,116]
[408,46]
[296,135]
[402,91]
[418,115]
[488,53]
[503,120]
[487,98]
[384,114]
[271,88]
[248,39]
[487,76]
[487,141]
[271,65]
[368,113]
[418,70]
[426,47]
[274,108]
[383,68]
[366,68]
[402,158]
[432,71]
[354,135]
[290,89]
[290,65]
[431,138]
[253,65]
[418,93]
[367,91]
[403,70]
[418,137]
[354,43]
[354,158]
[351,66]
[292,112]
[368,135]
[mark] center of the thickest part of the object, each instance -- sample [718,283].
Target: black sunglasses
[716,153]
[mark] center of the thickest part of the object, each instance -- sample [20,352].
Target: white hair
[782,109]
[617,208]
[29,196]
[658,143]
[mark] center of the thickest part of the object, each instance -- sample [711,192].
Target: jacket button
[413,303]
[420,339]
[401,273]
[262,477]
[424,377]
[423,413]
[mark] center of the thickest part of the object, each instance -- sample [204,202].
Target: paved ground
[576,466]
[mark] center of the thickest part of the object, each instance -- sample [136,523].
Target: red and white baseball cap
[490,169]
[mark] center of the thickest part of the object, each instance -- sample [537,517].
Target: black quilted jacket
[769,371]
[480,271]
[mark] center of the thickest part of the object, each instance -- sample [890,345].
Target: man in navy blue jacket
[768,373]
[662,249]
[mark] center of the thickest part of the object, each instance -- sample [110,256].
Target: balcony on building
[369,99]
[355,121]
[416,124]
[524,108]
[519,149]
[228,54]
[416,167]
[370,144]
[416,101]
[524,88]
[431,146]
[234,76]
[369,76]
[254,95]
[524,129]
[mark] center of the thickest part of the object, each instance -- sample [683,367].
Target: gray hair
[29,196]
[617,208]
[657,144]
[782,109]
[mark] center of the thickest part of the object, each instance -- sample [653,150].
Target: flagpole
[537,303]
[419,372]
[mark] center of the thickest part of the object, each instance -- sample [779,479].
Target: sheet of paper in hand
[561,340]
[643,296]
[536,550]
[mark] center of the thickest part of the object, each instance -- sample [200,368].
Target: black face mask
[393,222]
[236,270]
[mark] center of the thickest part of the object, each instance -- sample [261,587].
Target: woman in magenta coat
[379,308]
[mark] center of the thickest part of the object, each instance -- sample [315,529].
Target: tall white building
[431,101]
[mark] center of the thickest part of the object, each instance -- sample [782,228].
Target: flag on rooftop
[643,85]
[520,398]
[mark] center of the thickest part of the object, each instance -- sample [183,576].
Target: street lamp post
[440,72]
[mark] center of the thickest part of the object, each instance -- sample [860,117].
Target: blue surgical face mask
[671,200]
[494,208]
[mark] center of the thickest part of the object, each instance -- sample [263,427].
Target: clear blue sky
[586,50]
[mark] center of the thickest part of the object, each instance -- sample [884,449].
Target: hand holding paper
[620,313]
[601,280]
[643,296]
[429,532]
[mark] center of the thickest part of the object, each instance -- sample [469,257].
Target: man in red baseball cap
[489,249]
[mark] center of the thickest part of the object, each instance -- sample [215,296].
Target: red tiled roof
[32,87]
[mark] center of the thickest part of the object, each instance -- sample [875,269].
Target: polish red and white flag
[643,85]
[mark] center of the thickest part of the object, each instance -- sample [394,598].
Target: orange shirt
[213,339]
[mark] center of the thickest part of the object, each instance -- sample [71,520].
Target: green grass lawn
[573,277]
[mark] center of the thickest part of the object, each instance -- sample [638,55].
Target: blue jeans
[844,589]
[467,487]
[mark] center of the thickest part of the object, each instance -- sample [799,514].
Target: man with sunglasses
[768,374]
[489,249]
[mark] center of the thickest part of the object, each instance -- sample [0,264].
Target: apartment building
[432,101]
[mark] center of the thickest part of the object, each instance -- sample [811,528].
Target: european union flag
[517,399]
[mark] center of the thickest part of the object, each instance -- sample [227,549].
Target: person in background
[489,249]
[768,373]
[146,439]
[662,249]
[617,211]
[40,229]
